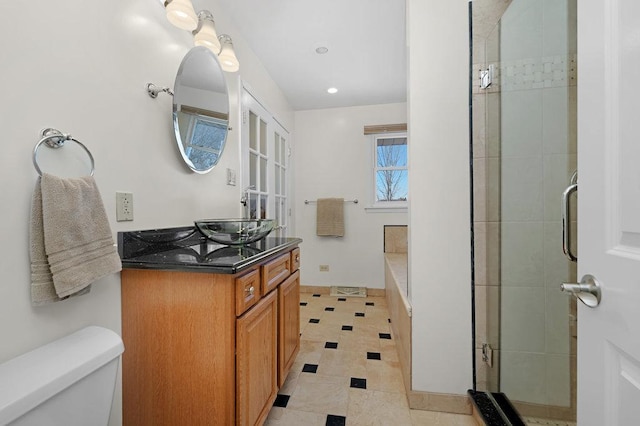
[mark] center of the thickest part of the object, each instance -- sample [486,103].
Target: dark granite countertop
[186,249]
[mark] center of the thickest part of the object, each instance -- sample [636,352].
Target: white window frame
[384,206]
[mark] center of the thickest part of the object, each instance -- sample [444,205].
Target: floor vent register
[349,291]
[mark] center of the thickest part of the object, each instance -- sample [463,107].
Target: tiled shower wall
[524,155]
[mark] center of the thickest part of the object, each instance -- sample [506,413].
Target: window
[204,141]
[390,172]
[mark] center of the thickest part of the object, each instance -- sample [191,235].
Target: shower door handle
[588,290]
[566,218]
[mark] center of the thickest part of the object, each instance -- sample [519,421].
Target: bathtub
[399,310]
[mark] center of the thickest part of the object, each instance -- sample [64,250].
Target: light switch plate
[231,177]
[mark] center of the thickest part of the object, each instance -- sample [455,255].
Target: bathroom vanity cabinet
[208,348]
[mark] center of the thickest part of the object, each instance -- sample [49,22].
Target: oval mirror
[200,109]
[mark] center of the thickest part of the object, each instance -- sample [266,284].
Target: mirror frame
[216,70]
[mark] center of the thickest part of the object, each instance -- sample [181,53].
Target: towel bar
[55,139]
[346,201]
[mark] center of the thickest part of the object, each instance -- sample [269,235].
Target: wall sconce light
[227,56]
[205,34]
[181,14]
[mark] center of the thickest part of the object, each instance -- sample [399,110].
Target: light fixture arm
[154,90]
[203,15]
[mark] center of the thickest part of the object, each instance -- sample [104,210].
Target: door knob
[588,290]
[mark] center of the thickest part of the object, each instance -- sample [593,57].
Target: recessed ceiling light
[332,90]
[321,50]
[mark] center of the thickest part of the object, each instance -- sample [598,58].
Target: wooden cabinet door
[178,331]
[256,361]
[288,325]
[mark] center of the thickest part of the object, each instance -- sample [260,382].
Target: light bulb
[181,14]
[227,56]
[205,35]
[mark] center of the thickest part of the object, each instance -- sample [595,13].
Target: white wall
[82,67]
[333,159]
[439,240]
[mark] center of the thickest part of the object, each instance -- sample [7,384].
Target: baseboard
[431,401]
[324,290]
[376,292]
[567,414]
[315,289]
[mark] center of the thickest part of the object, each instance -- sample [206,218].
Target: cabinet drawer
[247,291]
[295,259]
[276,271]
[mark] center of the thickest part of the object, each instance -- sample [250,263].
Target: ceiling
[366,58]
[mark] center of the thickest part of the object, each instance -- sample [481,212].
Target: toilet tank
[67,382]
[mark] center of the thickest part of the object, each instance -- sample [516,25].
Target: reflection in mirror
[200,110]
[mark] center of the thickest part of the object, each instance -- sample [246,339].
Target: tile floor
[347,371]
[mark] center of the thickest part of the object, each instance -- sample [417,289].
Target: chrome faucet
[245,195]
[244,200]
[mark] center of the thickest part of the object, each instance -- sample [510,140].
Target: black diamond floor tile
[336,420]
[358,383]
[281,401]
[310,368]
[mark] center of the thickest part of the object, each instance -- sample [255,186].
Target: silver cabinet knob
[250,290]
[588,290]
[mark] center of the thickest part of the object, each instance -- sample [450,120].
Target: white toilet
[67,382]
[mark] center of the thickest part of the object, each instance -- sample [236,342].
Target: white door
[281,178]
[609,210]
[256,155]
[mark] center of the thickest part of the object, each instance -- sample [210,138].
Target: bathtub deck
[399,310]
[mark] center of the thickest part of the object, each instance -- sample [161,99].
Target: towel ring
[55,139]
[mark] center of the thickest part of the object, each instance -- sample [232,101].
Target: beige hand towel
[330,217]
[71,241]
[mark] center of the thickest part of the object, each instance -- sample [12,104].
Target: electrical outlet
[324,268]
[124,206]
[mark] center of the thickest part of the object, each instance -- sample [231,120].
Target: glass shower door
[525,147]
